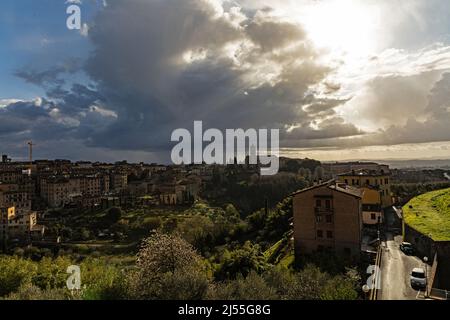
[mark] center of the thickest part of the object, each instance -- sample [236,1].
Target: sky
[341,79]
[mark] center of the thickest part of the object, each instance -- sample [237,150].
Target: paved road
[395,271]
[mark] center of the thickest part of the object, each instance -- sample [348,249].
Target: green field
[430,214]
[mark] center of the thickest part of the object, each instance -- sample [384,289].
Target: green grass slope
[430,214]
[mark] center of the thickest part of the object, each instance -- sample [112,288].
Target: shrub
[253,287]
[15,272]
[32,292]
[152,223]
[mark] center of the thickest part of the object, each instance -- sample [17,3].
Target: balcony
[322,210]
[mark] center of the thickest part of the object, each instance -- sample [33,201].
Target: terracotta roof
[313,187]
[333,186]
[348,190]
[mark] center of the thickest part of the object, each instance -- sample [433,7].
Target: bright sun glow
[344,26]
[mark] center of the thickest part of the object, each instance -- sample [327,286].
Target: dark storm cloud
[50,76]
[169,63]
[159,65]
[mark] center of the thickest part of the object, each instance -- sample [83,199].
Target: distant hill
[423,164]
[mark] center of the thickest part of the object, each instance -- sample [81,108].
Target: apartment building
[372,213]
[26,225]
[6,215]
[17,196]
[10,175]
[118,181]
[58,191]
[373,179]
[105,183]
[91,186]
[328,216]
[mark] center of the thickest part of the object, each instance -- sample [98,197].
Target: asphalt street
[396,268]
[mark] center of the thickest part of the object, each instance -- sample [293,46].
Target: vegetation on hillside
[168,267]
[430,214]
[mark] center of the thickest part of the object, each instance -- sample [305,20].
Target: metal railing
[321,210]
[376,285]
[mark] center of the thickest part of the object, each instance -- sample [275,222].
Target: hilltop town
[58,208]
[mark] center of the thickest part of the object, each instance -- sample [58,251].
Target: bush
[241,262]
[19,252]
[197,230]
[253,287]
[102,281]
[152,223]
[32,292]
[15,272]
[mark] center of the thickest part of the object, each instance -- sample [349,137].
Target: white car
[418,278]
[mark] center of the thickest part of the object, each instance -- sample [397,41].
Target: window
[367,182]
[328,204]
[318,203]
[373,216]
[386,181]
[318,219]
[329,219]
[329,234]
[319,234]
[346,181]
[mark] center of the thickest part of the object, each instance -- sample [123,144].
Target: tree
[241,262]
[66,233]
[168,268]
[197,230]
[232,213]
[319,173]
[113,215]
[85,234]
[339,288]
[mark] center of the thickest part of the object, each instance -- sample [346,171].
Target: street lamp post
[425,259]
[366,291]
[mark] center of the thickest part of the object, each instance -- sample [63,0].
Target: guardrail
[439,294]
[376,280]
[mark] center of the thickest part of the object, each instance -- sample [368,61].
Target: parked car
[418,278]
[407,248]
